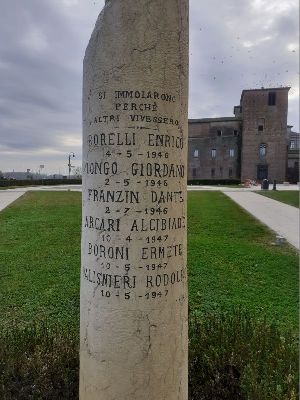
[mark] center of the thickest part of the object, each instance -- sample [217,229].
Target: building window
[272,99]
[213,172]
[196,153]
[219,132]
[230,172]
[213,153]
[263,150]
[221,172]
[292,144]
[235,132]
[194,172]
[261,125]
[231,152]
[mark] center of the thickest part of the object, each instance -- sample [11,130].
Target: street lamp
[42,166]
[69,164]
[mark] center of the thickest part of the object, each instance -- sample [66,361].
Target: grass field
[40,259]
[232,262]
[290,197]
[238,285]
[230,257]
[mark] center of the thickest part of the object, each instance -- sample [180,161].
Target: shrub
[39,182]
[232,356]
[214,182]
[38,362]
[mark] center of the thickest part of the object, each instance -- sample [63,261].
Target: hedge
[39,182]
[214,182]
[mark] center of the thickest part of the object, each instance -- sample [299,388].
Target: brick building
[214,148]
[253,144]
[293,155]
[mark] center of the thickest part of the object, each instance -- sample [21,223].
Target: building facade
[293,155]
[253,144]
[214,148]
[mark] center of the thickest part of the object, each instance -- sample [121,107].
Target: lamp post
[69,164]
[42,166]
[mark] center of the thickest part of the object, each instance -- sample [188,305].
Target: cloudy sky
[234,45]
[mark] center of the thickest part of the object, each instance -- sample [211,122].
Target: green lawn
[290,197]
[40,258]
[231,261]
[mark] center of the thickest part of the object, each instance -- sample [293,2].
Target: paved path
[10,195]
[280,217]
[7,197]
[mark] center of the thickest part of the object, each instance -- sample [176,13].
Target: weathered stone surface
[133,276]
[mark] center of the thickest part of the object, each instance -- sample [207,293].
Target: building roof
[207,120]
[263,89]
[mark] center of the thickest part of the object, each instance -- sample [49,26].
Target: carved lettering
[112,139]
[148,95]
[100,168]
[159,280]
[102,224]
[157,224]
[158,252]
[109,280]
[157,170]
[155,140]
[110,253]
[113,196]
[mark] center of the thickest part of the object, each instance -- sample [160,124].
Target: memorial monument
[134,343]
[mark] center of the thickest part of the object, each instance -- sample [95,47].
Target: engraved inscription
[134,155]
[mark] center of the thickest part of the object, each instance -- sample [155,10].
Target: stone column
[134,343]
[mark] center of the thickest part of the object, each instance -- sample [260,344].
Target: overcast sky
[234,45]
